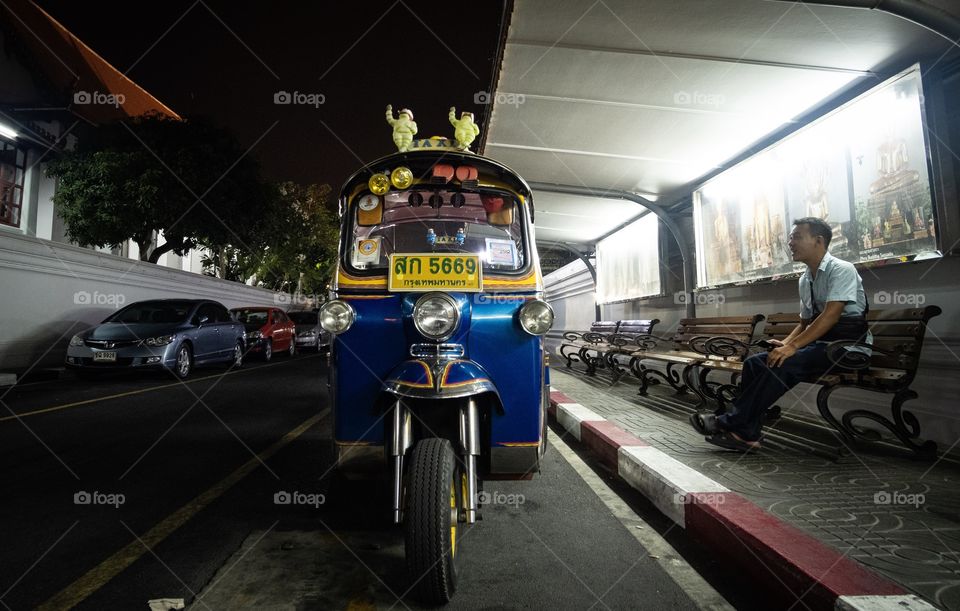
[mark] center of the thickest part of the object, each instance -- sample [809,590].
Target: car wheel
[184,363]
[237,356]
[268,350]
[292,350]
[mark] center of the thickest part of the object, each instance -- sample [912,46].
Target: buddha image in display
[820,184]
[743,229]
[891,183]
[862,169]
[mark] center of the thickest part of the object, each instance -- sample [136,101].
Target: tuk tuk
[438,373]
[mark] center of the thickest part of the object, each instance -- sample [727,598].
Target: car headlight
[76,340]
[336,316]
[536,317]
[436,315]
[254,334]
[161,340]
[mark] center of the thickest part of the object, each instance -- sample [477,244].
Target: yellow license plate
[430,272]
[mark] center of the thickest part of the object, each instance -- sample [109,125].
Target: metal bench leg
[588,361]
[617,370]
[569,357]
[689,377]
[904,426]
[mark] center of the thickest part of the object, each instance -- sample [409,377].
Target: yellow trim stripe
[429,383]
[459,384]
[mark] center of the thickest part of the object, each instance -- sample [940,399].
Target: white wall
[50,291]
[572,294]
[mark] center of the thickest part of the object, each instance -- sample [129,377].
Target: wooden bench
[577,345]
[605,339]
[687,350]
[631,335]
[890,369]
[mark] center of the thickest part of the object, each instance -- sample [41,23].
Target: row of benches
[701,346]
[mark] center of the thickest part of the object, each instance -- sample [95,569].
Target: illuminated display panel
[862,168]
[628,262]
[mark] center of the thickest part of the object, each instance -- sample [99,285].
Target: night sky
[360,56]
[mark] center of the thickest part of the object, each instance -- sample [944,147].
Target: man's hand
[778,355]
[775,342]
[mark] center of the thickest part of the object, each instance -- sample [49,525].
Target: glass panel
[488,224]
[862,169]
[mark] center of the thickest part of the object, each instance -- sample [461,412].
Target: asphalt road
[139,487]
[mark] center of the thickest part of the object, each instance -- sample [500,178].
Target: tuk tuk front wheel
[434,500]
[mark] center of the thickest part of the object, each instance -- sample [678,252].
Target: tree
[302,236]
[187,180]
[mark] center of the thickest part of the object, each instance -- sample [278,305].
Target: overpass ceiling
[651,96]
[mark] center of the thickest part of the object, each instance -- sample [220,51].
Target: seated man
[833,306]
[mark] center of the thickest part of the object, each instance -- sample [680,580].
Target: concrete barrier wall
[933,282]
[571,293]
[49,291]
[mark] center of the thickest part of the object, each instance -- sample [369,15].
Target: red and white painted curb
[736,529]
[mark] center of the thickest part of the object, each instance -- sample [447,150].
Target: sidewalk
[896,516]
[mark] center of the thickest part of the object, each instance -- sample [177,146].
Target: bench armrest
[591,337]
[724,347]
[646,343]
[643,341]
[850,359]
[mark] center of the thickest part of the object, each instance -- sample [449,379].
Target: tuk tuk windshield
[488,224]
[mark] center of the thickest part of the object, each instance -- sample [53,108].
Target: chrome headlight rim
[454,322]
[159,341]
[345,317]
[527,317]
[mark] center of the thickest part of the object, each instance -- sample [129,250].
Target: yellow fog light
[401,178]
[379,184]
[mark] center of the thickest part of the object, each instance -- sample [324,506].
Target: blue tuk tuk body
[438,372]
[374,356]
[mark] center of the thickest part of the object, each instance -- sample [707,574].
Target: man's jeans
[761,386]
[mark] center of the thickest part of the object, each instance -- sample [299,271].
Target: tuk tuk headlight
[536,317]
[379,184]
[436,316]
[401,178]
[336,316]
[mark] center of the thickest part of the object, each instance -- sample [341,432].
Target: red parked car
[268,329]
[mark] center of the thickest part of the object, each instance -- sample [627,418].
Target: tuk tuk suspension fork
[470,442]
[401,438]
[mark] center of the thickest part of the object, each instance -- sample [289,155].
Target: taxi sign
[435,272]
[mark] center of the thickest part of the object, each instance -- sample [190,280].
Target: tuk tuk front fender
[439,379]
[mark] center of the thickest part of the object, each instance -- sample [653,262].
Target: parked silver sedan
[309,333]
[176,334]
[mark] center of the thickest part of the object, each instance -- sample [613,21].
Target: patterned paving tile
[896,515]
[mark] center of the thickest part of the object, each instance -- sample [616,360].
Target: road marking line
[701,593]
[97,577]
[57,408]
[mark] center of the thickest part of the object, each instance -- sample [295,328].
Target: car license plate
[104,357]
[430,272]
